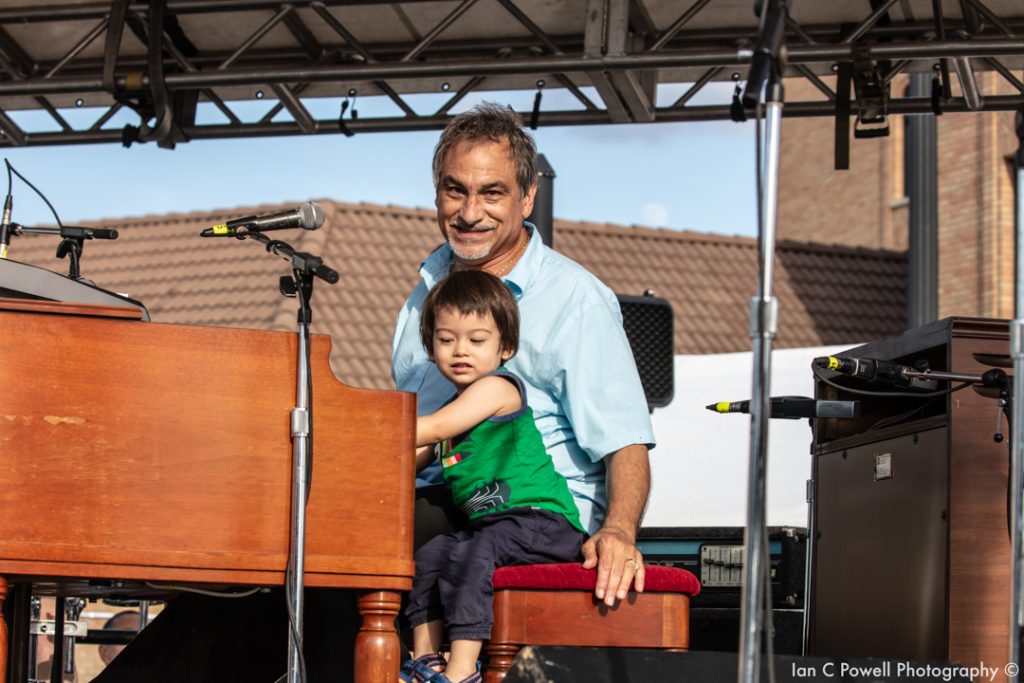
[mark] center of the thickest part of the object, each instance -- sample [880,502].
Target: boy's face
[466,347]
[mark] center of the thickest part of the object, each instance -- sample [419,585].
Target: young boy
[519,508]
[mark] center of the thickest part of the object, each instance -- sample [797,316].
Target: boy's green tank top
[501,464]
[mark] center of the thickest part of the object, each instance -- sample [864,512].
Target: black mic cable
[5,220]
[5,227]
[8,228]
[874,370]
[819,372]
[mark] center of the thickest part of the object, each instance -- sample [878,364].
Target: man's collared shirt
[582,382]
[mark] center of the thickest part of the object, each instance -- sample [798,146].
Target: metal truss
[178,54]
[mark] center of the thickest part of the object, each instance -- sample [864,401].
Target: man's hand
[619,563]
[613,548]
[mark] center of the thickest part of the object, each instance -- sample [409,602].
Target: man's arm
[613,548]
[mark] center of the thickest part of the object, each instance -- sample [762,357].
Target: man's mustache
[463,226]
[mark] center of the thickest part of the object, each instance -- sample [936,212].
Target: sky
[694,175]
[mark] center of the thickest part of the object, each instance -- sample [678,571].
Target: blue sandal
[439,677]
[420,670]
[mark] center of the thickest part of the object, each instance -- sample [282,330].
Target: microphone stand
[767,63]
[1017,451]
[305,267]
[71,243]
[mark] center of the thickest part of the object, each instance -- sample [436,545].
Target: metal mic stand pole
[304,268]
[763,325]
[300,426]
[1016,452]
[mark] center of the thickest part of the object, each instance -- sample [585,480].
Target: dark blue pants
[455,571]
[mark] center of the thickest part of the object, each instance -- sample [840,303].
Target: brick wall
[865,206]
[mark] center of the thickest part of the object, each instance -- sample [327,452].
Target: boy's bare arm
[485,398]
[424,455]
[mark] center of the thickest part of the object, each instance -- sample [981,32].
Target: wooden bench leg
[377,646]
[499,660]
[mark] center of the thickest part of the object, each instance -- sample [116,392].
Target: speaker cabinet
[649,329]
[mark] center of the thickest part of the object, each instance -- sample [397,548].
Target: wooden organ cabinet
[910,554]
[183,435]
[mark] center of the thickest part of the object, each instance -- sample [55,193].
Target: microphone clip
[769,52]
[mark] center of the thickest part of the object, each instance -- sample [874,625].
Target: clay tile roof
[827,294]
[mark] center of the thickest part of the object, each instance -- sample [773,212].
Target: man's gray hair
[490,121]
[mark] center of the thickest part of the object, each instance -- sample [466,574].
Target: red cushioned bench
[554,604]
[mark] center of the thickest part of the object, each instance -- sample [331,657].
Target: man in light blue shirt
[582,381]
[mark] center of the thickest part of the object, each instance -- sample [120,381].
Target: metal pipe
[294,106]
[991,16]
[944,376]
[46,13]
[803,54]
[56,669]
[276,109]
[799,31]
[551,47]
[544,201]
[678,24]
[466,88]
[1005,73]
[763,325]
[354,43]
[965,73]
[531,26]
[301,427]
[869,22]
[704,79]
[423,123]
[109,114]
[1016,440]
[437,30]
[11,130]
[81,45]
[54,114]
[816,82]
[259,33]
[922,188]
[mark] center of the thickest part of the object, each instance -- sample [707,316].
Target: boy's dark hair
[472,292]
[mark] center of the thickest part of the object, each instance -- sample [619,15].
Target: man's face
[480,209]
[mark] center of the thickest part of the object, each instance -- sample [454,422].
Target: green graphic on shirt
[487,497]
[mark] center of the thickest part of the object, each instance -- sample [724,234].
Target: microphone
[309,216]
[88,233]
[874,370]
[794,407]
[72,231]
